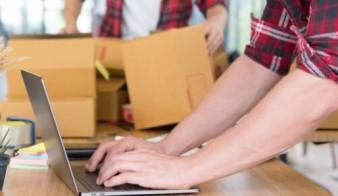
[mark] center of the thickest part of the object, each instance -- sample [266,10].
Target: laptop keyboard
[88,180]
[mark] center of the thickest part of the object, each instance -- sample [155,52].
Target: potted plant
[4,158]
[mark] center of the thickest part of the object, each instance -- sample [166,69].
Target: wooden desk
[324,135]
[271,178]
[106,132]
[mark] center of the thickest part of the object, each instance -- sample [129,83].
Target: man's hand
[109,150]
[214,31]
[214,27]
[146,168]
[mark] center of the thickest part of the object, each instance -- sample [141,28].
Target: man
[279,112]
[128,19]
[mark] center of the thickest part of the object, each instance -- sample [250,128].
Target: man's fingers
[138,155]
[144,152]
[124,178]
[124,145]
[98,156]
[214,41]
[118,167]
[215,46]
[129,156]
[116,155]
[211,38]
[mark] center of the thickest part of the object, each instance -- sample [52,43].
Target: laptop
[76,178]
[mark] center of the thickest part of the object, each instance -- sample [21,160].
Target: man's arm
[71,13]
[287,115]
[233,95]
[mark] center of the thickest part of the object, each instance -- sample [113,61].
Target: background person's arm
[71,13]
[215,26]
[233,95]
[215,12]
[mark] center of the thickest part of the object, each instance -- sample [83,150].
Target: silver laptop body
[76,178]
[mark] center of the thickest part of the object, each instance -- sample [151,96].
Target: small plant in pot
[4,158]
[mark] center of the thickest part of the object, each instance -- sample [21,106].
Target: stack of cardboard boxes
[167,75]
[67,67]
[111,94]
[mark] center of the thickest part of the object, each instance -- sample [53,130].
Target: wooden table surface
[324,135]
[107,132]
[271,178]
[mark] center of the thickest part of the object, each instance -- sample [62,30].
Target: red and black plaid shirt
[289,29]
[174,14]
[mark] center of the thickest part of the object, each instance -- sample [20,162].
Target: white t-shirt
[140,17]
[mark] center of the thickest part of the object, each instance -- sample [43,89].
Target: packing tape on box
[21,131]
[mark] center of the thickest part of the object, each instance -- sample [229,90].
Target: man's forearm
[287,115]
[72,11]
[233,95]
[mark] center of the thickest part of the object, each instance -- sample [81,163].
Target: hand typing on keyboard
[108,150]
[146,168]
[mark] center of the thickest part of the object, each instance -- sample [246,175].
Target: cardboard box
[55,52]
[75,117]
[60,82]
[331,123]
[66,65]
[168,74]
[219,63]
[109,53]
[110,99]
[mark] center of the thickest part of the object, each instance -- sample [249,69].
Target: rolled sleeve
[204,5]
[272,43]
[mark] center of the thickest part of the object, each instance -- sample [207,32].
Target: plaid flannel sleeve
[112,21]
[272,43]
[317,51]
[204,5]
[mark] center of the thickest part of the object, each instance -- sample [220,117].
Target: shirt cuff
[274,63]
[204,5]
[271,46]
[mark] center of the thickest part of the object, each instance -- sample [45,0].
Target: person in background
[128,19]
[276,112]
